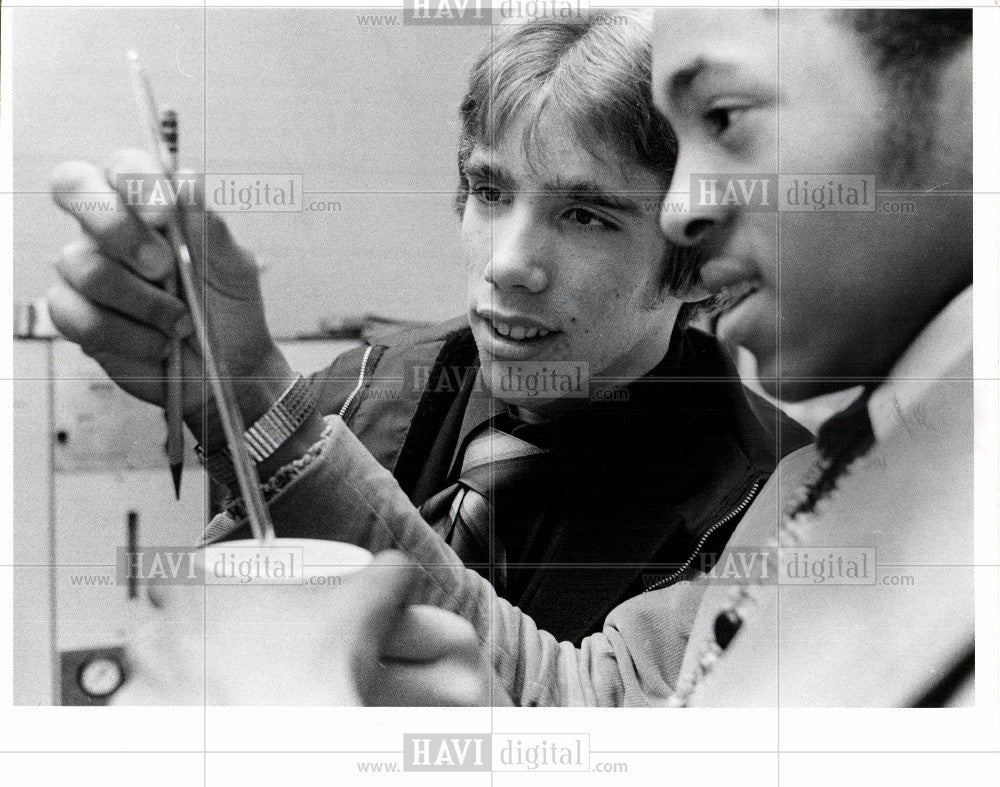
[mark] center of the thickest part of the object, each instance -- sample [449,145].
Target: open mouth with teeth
[512,330]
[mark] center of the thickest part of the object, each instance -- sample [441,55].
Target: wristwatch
[267,433]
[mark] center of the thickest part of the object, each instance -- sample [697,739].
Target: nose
[519,253]
[692,208]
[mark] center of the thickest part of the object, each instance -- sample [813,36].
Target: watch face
[101,676]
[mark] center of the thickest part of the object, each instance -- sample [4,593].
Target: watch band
[268,432]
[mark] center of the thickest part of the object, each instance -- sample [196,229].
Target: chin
[777,384]
[797,384]
[792,390]
[541,409]
[541,386]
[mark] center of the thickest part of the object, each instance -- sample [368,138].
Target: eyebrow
[681,84]
[586,191]
[496,176]
[594,194]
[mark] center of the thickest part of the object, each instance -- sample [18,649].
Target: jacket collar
[931,357]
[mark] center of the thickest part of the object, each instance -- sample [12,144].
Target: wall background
[367,113]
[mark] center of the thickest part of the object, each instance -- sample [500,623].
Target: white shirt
[929,358]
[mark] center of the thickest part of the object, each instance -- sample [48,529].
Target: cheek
[605,303]
[475,243]
[827,261]
[642,292]
[644,282]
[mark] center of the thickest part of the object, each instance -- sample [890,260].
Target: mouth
[513,334]
[732,280]
[728,298]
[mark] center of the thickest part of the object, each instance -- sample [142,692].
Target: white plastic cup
[220,634]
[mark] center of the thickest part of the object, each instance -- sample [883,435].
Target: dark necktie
[848,434]
[462,513]
[843,438]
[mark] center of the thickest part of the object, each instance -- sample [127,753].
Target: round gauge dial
[101,676]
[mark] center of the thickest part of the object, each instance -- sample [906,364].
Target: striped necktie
[462,514]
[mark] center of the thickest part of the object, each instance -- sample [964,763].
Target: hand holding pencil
[110,298]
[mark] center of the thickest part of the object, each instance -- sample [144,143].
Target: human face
[821,298]
[564,263]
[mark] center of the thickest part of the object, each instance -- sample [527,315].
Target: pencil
[175,363]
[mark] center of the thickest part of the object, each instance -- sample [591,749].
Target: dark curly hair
[908,48]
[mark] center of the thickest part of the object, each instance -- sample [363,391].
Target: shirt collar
[929,358]
[942,342]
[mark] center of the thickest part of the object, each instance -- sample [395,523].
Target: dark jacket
[639,492]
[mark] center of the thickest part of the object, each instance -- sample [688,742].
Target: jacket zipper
[704,537]
[360,383]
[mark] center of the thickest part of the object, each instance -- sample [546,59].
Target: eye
[586,218]
[721,118]
[487,194]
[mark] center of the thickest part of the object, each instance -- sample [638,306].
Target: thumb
[382,593]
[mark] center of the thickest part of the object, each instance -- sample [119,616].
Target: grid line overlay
[666,753]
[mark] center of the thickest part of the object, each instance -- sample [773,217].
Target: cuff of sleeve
[276,484]
[339,491]
[234,517]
